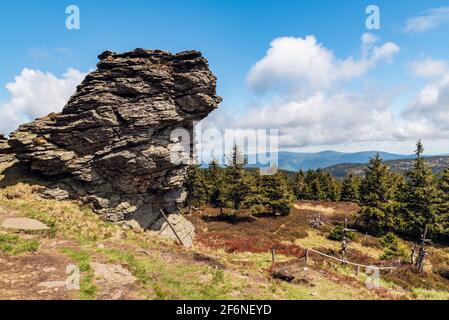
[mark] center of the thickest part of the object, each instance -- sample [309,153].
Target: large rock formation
[111,144]
[5,150]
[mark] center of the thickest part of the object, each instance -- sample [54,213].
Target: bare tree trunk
[422,251]
[412,257]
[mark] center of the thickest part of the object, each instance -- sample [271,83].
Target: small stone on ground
[115,274]
[25,224]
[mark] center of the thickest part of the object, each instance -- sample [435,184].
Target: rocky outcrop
[111,145]
[185,230]
[5,151]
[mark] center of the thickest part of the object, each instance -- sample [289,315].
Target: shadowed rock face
[111,144]
[5,150]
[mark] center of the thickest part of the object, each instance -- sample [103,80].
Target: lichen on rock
[111,144]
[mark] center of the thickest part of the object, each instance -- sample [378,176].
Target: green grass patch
[13,244]
[174,280]
[420,293]
[137,267]
[88,290]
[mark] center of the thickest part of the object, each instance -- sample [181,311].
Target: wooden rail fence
[306,257]
[358,265]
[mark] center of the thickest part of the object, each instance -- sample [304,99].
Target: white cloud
[306,65]
[429,68]
[429,19]
[35,94]
[320,121]
[369,38]
[324,119]
[323,113]
[327,115]
[428,114]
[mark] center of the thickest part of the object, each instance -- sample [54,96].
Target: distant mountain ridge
[338,163]
[295,160]
[437,163]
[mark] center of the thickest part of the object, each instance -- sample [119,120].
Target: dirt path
[48,273]
[30,276]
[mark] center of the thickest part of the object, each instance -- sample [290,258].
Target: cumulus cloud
[429,68]
[324,119]
[428,114]
[35,94]
[327,114]
[306,65]
[427,20]
[324,113]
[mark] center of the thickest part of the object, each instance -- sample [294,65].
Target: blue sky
[234,36]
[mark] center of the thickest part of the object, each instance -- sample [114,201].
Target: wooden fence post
[273,255]
[307,255]
[172,228]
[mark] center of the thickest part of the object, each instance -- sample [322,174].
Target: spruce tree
[277,194]
[316,191]
[310,191]
[238,180]
[317,185]
[421,198]
[255,198]
[330,187]
[217,192]
[443,186]
[196,187]
[377,198]
[422,205]
[300,185]
[350,188]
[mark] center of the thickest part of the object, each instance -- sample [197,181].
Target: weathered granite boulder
[111,144]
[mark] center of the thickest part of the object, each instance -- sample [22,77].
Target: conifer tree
[421,198]
[237,179]
[350,188]
[196,187]
[217,192]
[377,191]
[310,191]
[316,191]
[300,185]
[443,186]
[313,189]
[277,194]
[330,187]
[255,199]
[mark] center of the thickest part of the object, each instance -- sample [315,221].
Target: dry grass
[327,211]
[316,240]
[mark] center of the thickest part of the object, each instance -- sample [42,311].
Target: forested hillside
[437,164]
